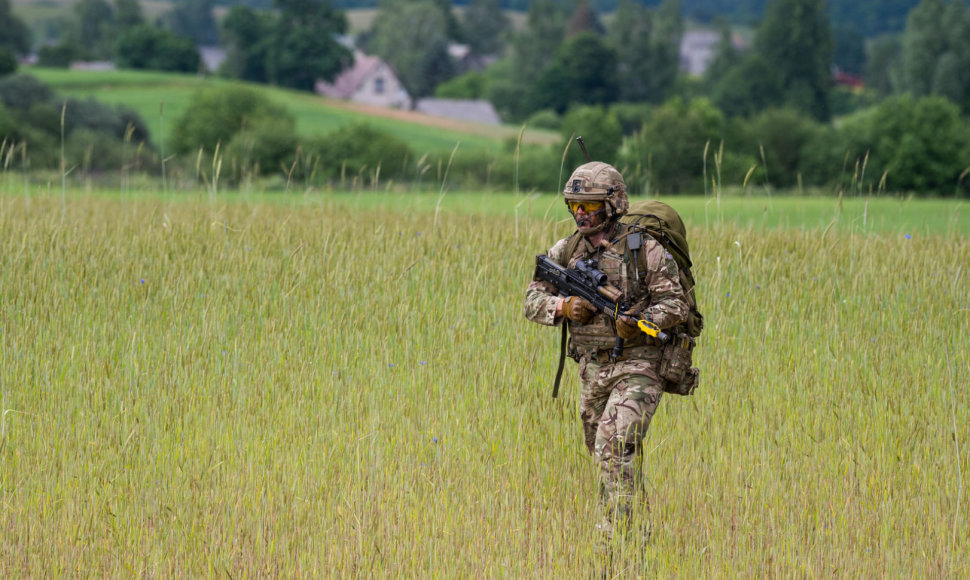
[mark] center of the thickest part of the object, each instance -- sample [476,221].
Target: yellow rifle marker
[651,329]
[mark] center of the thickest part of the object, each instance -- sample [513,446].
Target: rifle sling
[562,361]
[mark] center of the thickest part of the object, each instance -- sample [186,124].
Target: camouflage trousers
[618,401]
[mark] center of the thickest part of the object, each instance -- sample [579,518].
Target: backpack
[663,223]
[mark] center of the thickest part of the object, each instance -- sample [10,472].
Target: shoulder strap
[562,361]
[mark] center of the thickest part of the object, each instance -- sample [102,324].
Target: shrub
[59,55]
[631,116]
[263,148]
[471,85]
[216,114]
[8,62]
[545,119]
[672,144]
[784,135]
[358,149]
[18,92]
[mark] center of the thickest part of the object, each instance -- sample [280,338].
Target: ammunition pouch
[675,365]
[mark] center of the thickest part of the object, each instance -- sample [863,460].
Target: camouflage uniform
[618,398]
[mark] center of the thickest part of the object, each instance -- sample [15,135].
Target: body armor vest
[617,263]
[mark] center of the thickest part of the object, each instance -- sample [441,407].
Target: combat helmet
[598,181]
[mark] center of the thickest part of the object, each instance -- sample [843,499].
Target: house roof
[479,111]
[351,78]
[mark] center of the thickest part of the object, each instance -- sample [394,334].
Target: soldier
[619,396]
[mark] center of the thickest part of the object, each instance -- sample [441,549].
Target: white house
[369,81]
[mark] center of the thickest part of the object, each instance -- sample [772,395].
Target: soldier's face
[587,215]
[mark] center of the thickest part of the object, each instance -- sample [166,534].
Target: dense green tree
[726,55]
[194,19]
[749,87]
[245,33]
[600,130]
[849,50]
[128,14]
[582,72]
[147,47]
[412,37]
[935,52]
[94,29]
[303,45]
[584,19]
[647,46]
[14,34]
[882,59]
[8,62]
[795,40]
[534,47]
[453,28]
[485,26]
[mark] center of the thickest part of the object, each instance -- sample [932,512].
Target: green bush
[471,85]
[919,145]
[7,125]
[783,135]
[263,148]
[91,150]
[18,92]
[632,116]
[58,55]
[358,150]
[216,114]
[600,130]
[8,62]
[545,119]
[671,148]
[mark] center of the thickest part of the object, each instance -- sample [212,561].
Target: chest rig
[621,258]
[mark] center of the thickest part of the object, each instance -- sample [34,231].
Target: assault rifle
[587,282]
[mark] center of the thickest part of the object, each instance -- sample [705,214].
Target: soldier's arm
[665,303]
[543,304]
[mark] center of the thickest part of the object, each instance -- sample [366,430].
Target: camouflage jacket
[650,282]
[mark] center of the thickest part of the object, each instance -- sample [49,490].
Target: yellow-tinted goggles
[586,206]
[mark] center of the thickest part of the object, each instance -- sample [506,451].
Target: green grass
[146,91]
[344,386]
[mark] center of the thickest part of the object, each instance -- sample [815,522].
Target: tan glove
[626,326]
[578,309]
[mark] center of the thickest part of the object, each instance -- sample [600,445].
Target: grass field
[344,385]
[161,98]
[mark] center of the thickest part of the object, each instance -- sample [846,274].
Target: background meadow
[344,384]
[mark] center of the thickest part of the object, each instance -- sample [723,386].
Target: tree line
[574,69]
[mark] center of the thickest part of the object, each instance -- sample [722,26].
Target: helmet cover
[598,181]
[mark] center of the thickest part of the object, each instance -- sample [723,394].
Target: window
[379,85]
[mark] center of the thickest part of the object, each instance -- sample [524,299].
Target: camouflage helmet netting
[598,181]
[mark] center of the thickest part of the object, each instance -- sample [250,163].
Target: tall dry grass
[199,388]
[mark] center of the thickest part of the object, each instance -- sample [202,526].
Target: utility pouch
[675,365]
[685,387]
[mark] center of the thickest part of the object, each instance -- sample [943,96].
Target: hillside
[161,97]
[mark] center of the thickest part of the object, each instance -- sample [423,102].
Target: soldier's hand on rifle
[626,326]
[578,309]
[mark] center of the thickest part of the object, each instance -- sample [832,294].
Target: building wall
[382,87]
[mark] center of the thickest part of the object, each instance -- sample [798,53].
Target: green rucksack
[663,223]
